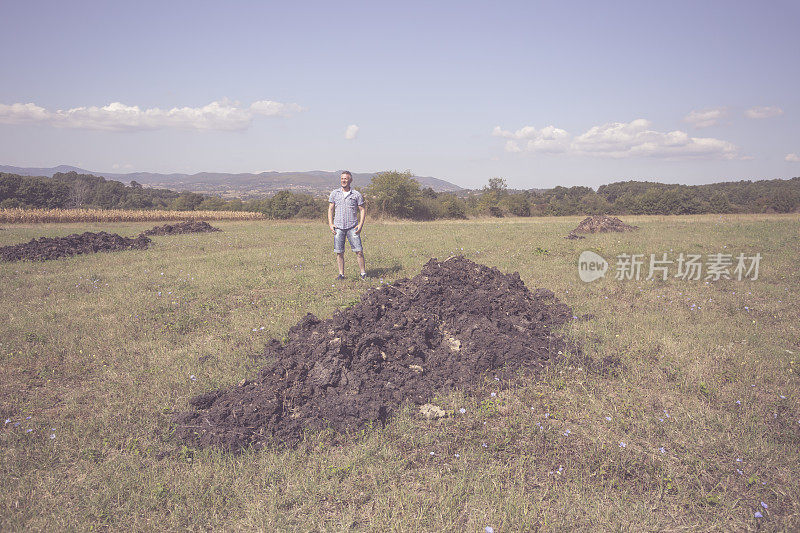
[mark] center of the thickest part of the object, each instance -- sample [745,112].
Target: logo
[591,266]
[689,266]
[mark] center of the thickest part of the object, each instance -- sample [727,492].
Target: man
[348,204]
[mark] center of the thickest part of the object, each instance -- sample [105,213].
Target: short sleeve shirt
[346,211]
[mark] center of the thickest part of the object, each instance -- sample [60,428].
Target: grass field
[697,429]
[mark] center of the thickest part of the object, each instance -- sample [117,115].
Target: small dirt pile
[190,226]
[599,224]
[408,341]
[45,248]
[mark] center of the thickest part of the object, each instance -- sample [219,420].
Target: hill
[230,185]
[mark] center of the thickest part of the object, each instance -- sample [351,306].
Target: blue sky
[539,93]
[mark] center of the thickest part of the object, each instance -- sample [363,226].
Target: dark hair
[346,172]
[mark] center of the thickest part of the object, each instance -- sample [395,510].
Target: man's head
[346,179]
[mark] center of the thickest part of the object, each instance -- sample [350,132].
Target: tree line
[398,194]
[70,190]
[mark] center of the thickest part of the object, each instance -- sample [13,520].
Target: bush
[451,206]
[517,205]
[395,193]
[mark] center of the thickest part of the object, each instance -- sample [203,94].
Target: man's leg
[340,262]
[358,249]
[361,264]
[338,248]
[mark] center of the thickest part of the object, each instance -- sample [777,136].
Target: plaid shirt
[347,203]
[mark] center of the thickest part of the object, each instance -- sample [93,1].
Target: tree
[256,205]
[784,201]
[491,196]
[107,194]
[452,207]
[235,204]
[428,192]
[79,193]
[718,203]
[517,204]
[42,192]
[497,184]
[187,201]
[212,203]
[136,201]
[282,205]
[395,193]
[9,185]
[593,204]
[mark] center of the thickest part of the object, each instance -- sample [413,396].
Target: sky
[540,93]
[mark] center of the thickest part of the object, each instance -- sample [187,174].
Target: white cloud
[765,111]
[617,140]
[792,158]
[351,132]
[269,108]
[222,115]
[21,113]
[547,140]
[635,139]
[705,118]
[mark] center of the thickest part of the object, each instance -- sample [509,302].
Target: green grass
[93,354]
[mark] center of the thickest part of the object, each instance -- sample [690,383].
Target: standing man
[348,205]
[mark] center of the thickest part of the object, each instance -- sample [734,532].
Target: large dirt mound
[45,248]
[600,224]
[408,341]
[198,226]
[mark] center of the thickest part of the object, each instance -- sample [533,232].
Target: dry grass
[32,216]
[99,351]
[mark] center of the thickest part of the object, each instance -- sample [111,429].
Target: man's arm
[331,206]
[362,216]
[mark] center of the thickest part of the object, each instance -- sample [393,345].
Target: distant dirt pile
[198,226]
[445,328]
[599,224]
[45,248]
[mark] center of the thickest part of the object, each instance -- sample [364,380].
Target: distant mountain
[23,171]
[244,185]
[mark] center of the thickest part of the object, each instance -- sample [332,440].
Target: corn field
[25,216]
